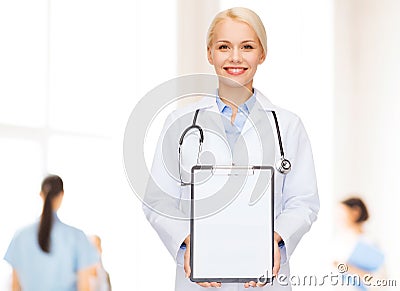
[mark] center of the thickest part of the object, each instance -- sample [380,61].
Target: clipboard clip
[232,171]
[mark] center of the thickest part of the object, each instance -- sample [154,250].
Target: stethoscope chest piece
[283,166]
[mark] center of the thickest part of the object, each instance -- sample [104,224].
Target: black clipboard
[232,224]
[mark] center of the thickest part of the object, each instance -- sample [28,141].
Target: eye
[248,47]
[223,47]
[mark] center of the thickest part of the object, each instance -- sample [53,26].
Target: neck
[234,96]
[357,228]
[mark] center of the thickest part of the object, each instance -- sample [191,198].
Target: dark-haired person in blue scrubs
[49,255]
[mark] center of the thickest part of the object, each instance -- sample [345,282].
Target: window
[68,71]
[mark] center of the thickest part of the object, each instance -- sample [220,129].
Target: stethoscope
[283,165]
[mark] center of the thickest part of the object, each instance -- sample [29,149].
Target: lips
[235,71]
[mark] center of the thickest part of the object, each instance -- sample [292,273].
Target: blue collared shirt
[70,251]
[233,131]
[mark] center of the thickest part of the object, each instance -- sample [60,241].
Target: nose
[236,56]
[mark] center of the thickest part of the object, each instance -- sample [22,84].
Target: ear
[209,56]
[262,58]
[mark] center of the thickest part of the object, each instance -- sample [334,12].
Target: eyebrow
[227,41]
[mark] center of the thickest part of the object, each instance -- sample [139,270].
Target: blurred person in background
[49,255]
[99,279]
[359,254]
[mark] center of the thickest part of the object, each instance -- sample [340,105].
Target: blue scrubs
[70,251]
[367,257]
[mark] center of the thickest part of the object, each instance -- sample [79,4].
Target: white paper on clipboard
[232,223]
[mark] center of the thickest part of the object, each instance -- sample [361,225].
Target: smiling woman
[235,52]
[236,45]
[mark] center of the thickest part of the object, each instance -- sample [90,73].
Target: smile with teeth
[235,70]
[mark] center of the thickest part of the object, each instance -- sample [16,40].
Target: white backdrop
[72,71]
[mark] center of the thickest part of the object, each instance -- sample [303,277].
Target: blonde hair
[244,15]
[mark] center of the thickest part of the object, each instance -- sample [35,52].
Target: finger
[276,269]
[277,260]
[204,284]
[186,264]
[216,284]
[250,284]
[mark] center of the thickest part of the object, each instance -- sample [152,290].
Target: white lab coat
[296,197]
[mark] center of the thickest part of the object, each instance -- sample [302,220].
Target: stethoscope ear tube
[201,140]
[283,165]
[194,126]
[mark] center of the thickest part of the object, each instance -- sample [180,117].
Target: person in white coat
[236,125]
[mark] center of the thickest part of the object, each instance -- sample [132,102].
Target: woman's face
[348,215]
[235,52]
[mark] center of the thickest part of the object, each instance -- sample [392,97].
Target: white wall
[67,86]
[367,119]
[193,19]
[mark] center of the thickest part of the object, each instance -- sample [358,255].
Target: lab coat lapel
[248,148]
[258,112]
[210,118]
